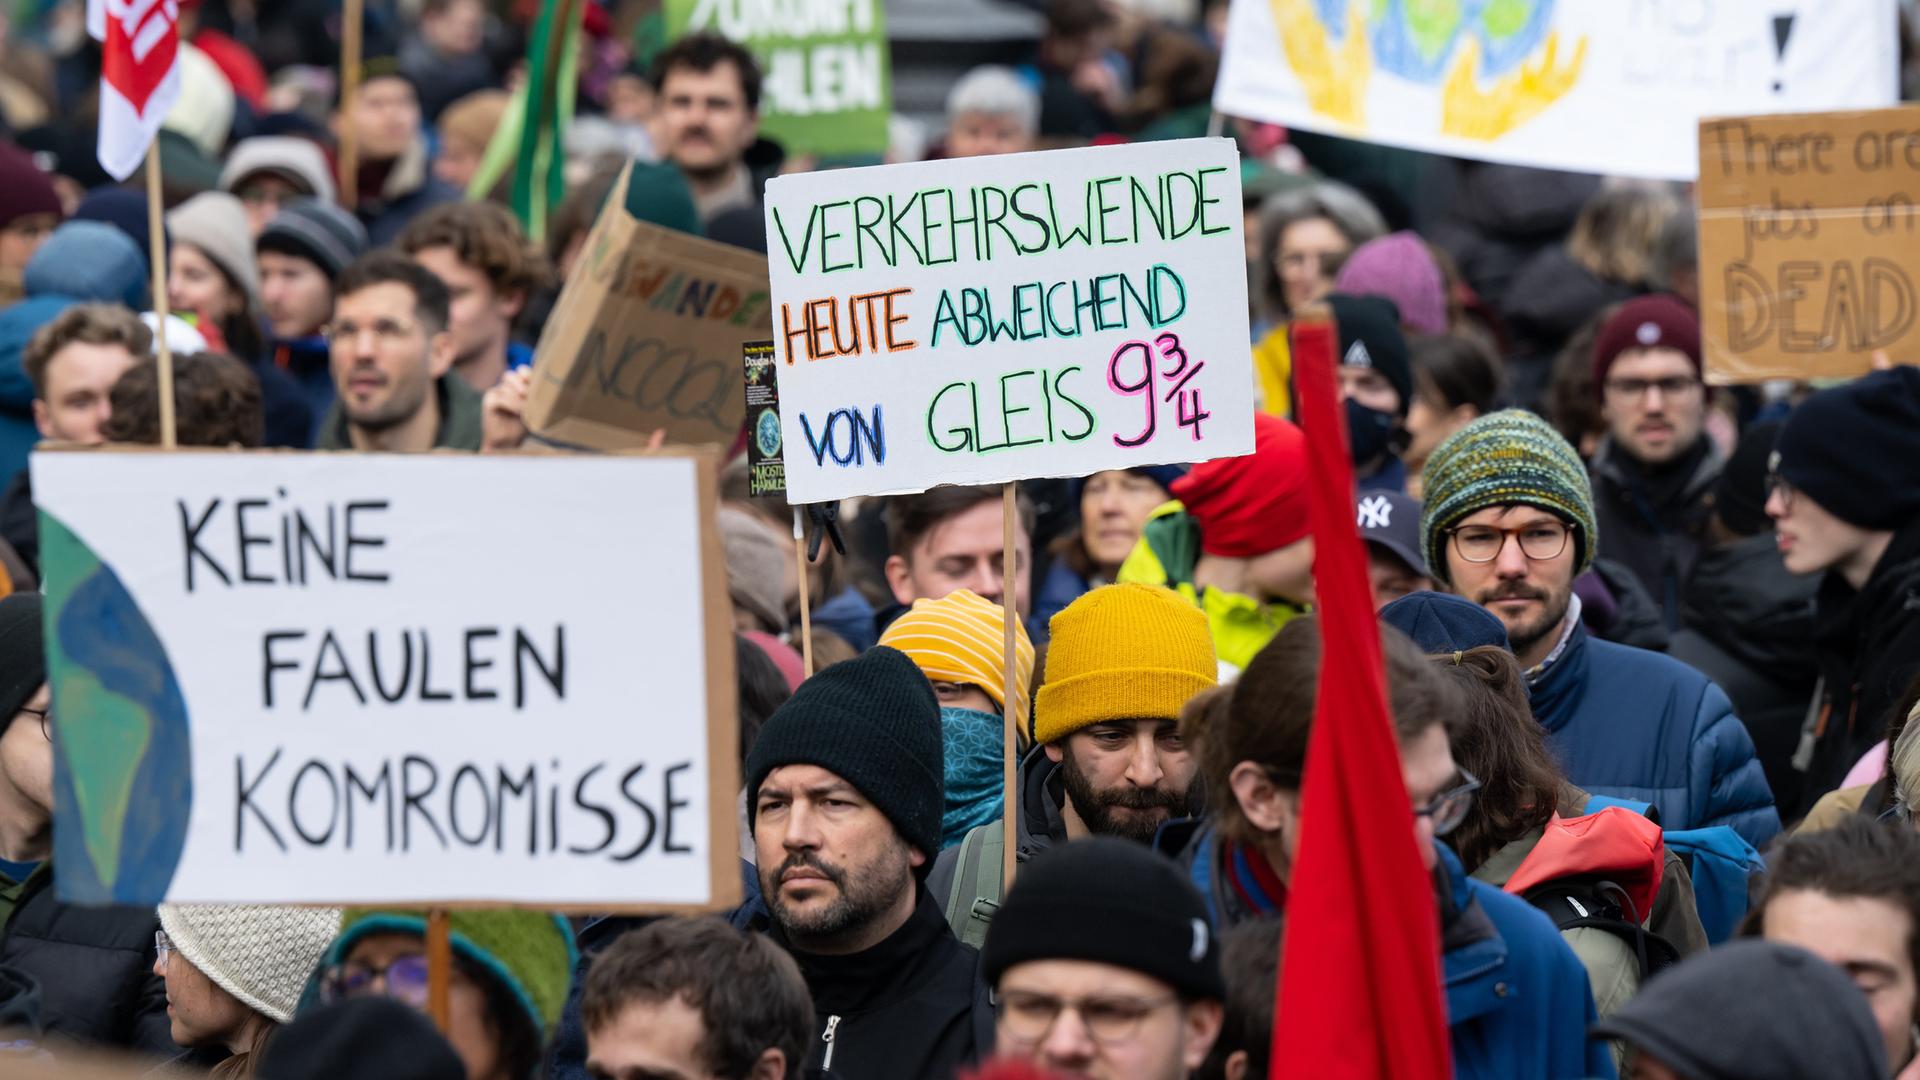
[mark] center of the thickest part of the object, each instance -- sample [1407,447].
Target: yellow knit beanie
[961,638]
[1123,652]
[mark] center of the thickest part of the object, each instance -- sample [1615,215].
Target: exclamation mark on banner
[1782,30]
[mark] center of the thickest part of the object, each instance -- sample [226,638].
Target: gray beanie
[216,224]
[321,232]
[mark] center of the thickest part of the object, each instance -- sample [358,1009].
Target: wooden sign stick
[439,968]
[350,56]
[806,613]
[157,258]
[1009,513]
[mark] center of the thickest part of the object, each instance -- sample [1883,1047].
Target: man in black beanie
[1845,501]
[1117,936]
[1376,388]
[844,796]
[94,965]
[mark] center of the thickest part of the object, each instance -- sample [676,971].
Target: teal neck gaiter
[973,742]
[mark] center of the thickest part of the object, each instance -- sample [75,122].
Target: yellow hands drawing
[1473,113]
[1335,78]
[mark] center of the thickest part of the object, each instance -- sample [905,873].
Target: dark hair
[216,402]
[1573,401]
[89,324]
[387,266]
[703,52]
[1250,961]
[507,1020]
[1858,858]
[485,236]
[1267,716]
[911,517]
[1455,370]
[1077,18]
[762,690]
[1497,740]
[747,990]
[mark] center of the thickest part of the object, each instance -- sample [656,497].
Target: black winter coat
[1747,624]
[912,1006]
[1868,643]
[94,967]
[1655,525]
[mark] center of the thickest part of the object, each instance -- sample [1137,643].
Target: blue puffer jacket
[1517,996]
[1641,725]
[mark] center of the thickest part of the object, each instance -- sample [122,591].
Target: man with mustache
[1122,662]
[708,123]
[1509,523]
[1654,473]
[844,799]
[392,355]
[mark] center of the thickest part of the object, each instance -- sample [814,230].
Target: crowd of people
[1651,646]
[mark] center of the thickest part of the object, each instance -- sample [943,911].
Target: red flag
[1360,992]
[139,75]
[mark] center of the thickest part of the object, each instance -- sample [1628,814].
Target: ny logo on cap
[1357,355]
[1376,512]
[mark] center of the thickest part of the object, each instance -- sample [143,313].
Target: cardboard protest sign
[1808,260]
[646,335]
[287,678]
[990,319]
[1604,87]
[827,82]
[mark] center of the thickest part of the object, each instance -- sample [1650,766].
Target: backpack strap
[1603,905]
[976,883]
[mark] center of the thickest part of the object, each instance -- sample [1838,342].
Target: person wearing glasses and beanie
[1845,502]
[1517,997]
[1509,523]
[233,974]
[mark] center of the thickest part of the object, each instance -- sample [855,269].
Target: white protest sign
[1603,86]
[982,320]
[355,678]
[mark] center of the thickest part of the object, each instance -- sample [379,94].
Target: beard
[1098,808]
[1553,610]
[859,896]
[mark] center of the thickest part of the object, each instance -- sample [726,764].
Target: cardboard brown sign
[1808,253]
[646,336]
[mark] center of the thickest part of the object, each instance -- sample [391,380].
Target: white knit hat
[260,954]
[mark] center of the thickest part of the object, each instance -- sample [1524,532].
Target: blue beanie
[1164,475]
[1855,449]
[1445,623]
[89,260]
[124,209]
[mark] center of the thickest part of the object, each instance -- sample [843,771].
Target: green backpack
[976,883]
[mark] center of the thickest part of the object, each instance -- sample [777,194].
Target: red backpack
[1600,870]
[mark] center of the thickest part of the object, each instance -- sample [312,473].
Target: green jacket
[1169,548]
[459,419]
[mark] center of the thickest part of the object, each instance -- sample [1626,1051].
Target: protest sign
[1610,88]
[284,678]
[982,320]
[826,85]
[1808,260]
[646,336]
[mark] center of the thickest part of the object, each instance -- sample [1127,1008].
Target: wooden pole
[806,614]
[157,256]
[354,16]
[1010,791]
[439,968]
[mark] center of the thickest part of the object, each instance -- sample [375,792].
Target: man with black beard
[844,798]
[1509,523]
[1123,660]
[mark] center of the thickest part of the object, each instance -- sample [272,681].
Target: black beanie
[1740,495]
[23,659]
[1109,901]
[1855,449]
[1370,336]
[872,721]
[368,1038]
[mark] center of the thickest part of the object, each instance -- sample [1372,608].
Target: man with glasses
[1654,473]
[1509,523]
[1104,965]
[1845,503]
[392,360]
[94,966]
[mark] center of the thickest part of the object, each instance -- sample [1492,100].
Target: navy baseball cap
[1392,520]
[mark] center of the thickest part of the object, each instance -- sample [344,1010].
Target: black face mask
[1370,433]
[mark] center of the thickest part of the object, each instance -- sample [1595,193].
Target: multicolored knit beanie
[1503,458]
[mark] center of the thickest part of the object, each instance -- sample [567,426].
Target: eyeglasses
[1029,1016]
[1449,808]
[385,331]
[46,720]
[404,979]
[1540,541]
[1780,486]
[1634,389]
[162,946]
